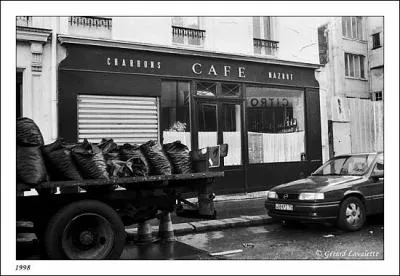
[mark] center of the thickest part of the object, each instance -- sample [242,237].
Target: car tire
[87,229]
[351,214]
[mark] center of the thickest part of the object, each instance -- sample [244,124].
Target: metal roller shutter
[124,119]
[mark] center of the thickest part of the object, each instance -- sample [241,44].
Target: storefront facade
[267,112]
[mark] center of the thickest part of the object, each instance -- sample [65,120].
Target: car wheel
[352,214]
[87,229]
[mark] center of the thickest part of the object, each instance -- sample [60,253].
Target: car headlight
[311,196]
[272,195]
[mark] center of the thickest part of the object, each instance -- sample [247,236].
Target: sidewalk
[237,210]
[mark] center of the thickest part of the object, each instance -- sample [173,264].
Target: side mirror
[376,175]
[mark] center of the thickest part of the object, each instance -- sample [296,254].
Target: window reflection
[275,124]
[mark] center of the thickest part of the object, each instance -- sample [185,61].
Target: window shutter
[256,27]
[267,27]
[362,64]
[124,119]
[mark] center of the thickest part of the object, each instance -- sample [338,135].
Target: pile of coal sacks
[60,160]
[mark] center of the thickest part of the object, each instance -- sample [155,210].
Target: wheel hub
[86,237]
[353,213]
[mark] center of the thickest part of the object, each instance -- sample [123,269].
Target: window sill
[354,78]
[377,47]
[184,45]
[355,40]
[265,55]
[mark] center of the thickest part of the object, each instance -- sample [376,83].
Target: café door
[219,120]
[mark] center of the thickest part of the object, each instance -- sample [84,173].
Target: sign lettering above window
[197,67]
[122,62]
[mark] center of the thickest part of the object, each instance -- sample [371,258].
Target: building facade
[246,81]
[351,53]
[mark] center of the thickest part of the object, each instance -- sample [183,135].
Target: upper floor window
[376,41]
[354,66]
[352,27]
[377,96]
[186,30]
[263,36]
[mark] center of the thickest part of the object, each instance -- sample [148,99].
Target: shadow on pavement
[164,251]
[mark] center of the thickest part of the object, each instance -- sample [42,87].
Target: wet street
[271,241]
[275,241]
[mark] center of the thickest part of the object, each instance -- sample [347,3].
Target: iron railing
[90,22]
[24,21]
[188,32]
[265,43]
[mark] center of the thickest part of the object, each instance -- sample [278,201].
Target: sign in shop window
[275,125]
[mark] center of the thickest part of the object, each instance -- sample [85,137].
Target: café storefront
[266,111]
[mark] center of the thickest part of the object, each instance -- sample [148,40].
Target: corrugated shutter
[124,119]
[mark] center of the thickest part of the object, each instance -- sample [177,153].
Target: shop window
[19,95]
[376,41]
[354,66]
[275,125]
[186,30]
[263,36]
[125,119]
[352,27]
[231,130]
[175,112]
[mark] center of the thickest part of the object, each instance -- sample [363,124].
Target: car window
[333,167]
[379,166]
[346,165]
[355,165]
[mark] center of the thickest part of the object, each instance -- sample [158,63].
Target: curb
[181,229]
[208,225]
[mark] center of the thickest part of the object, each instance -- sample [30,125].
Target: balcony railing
[24,21]
[90,22]
[90,26]
[264,46]
[188,32]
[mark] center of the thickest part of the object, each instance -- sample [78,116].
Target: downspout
[54,98]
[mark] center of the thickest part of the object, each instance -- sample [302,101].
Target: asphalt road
[275,241]
[272,241]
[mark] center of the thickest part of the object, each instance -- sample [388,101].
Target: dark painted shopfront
[267,113]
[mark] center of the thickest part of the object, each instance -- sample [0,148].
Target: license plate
[284,207]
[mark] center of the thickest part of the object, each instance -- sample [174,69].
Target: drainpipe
[54,98]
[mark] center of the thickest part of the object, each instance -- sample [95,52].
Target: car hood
[314,183]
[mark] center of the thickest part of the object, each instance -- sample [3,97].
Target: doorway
[19,94]
[218,119]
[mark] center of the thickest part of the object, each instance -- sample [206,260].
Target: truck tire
[351,214]
[87,229]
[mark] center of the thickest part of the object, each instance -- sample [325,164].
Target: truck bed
[142,182]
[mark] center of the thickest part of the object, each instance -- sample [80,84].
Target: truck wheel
[351,214]
[86,229]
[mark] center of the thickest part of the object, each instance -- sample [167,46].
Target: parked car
[346,189]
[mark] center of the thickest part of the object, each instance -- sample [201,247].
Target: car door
[374,189]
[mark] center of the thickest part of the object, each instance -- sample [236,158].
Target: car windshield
[346,165]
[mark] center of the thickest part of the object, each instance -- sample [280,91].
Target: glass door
[218,120]
[231,132]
